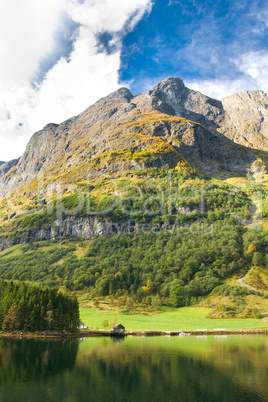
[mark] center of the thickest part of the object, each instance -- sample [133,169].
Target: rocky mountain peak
[258,96]
[50,126]
[121,93]
[170,89]
[171,96]
[162,126]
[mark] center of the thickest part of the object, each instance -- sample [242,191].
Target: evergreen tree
[31,308]
[11,321]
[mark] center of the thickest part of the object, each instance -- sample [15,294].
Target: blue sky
[60,56]
[199,41]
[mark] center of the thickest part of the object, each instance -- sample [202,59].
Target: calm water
[233,368]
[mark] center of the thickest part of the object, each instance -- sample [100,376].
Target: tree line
[26,307]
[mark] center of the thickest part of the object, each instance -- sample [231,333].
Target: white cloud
[103,15]
[219,88]
[255,66]
[26,32]
[72,84]
[252,73]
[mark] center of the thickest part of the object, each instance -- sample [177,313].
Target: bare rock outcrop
[246,119]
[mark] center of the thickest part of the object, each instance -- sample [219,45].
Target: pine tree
[11,321]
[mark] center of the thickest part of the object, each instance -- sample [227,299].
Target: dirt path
[242,282]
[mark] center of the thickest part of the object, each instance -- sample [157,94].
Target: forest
[179,265]
[25,307]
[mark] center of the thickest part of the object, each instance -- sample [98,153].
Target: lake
[224,368]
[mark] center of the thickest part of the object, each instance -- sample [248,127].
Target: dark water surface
[233,368]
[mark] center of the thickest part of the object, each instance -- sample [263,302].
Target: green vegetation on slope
[178,237]
[180,265]
[148,196]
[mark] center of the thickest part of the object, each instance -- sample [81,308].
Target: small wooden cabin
[118,329]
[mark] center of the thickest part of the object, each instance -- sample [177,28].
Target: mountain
[166,126]
[145,199]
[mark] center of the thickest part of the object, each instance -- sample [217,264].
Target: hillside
[159,198]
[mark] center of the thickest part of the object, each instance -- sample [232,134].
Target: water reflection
[147,369]
[26,359]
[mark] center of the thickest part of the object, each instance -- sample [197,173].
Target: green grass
[13,251]
[171,319]
[265,224]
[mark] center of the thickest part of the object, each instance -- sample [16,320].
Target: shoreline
[87,334]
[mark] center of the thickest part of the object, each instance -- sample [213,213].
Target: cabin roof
[119,326]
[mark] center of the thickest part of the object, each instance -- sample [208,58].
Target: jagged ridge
[167,125]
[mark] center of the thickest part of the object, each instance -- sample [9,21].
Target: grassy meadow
[170,319]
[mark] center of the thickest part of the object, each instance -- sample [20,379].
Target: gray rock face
[6,166]
[172,97]
[242,117]
[208,134]
[69,227]
[246,119]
